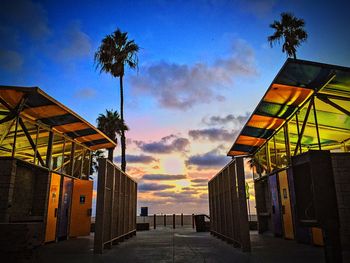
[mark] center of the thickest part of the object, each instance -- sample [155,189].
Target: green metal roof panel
[257,132]
[275,110]
[292,87]
[244,148]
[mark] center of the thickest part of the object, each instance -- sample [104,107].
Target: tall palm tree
[112,125]
[291,30]
[95,155]
[115,52]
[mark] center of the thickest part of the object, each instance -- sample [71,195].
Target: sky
[203,67]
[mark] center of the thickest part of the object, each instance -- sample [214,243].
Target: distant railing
[167,220]
[116,206]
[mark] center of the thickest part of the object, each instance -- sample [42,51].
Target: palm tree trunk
[294,55]
[110,154]
[122,137]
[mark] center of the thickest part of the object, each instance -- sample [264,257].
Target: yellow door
[80,221]
[50,234]
[317,236]
[286,206]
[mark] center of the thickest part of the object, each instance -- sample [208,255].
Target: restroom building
[297,141]
[45,167]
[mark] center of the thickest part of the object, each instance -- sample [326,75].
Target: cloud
[137,158]
[190,191]
[10,60]
[135,172]
[196,188]
[210,159]
[25,21]
[202,184]
[212,134]
[9,37]
[26,16]
[199,180]
[180,86]
[163,177]
[180,197]
[236,121]
[232,124]
[73,43]
[259,8]
[21,22]
[204,196]
[167,144]
[154,187]
[85,93]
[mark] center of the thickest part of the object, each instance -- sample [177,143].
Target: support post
[268,157]
[192,220]
[32,144]
[287,142]
[49,151]
[111,180]
[182,219]
[164,220]
[234,204]
[135,205]
[36,145]
[14,138]
[173,221]
[154,221]
[303,127]
[275,152]
[100,207]
[243,215]
[72,152]
[125,205]
[298,131]
[231,226]
[316,124]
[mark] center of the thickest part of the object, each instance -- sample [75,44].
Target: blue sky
[203,65]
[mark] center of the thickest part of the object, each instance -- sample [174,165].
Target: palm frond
[291,30]
[111,124]
[115,52]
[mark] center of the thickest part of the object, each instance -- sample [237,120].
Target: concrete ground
[179,245]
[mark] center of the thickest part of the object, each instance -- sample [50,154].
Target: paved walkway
[180,245]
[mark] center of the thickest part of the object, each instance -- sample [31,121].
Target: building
[298,143]
[45,164]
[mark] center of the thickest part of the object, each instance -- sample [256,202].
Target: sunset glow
[203,67]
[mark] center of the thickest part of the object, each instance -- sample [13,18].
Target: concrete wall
[27,186]
[7,183]
[23,205]
[29,195]
[341,171]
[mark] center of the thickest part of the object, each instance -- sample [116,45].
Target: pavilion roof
[39,107]
[289,91]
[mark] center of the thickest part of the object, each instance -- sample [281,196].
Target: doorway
[66,196]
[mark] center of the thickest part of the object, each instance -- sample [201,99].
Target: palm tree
[116,51]
[291,30]
[112,125]
[95,155]
[254,162]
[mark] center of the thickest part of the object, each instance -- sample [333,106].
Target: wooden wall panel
[116,206]
[228,205]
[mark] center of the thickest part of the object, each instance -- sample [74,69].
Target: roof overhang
[39,107]
[290,90]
